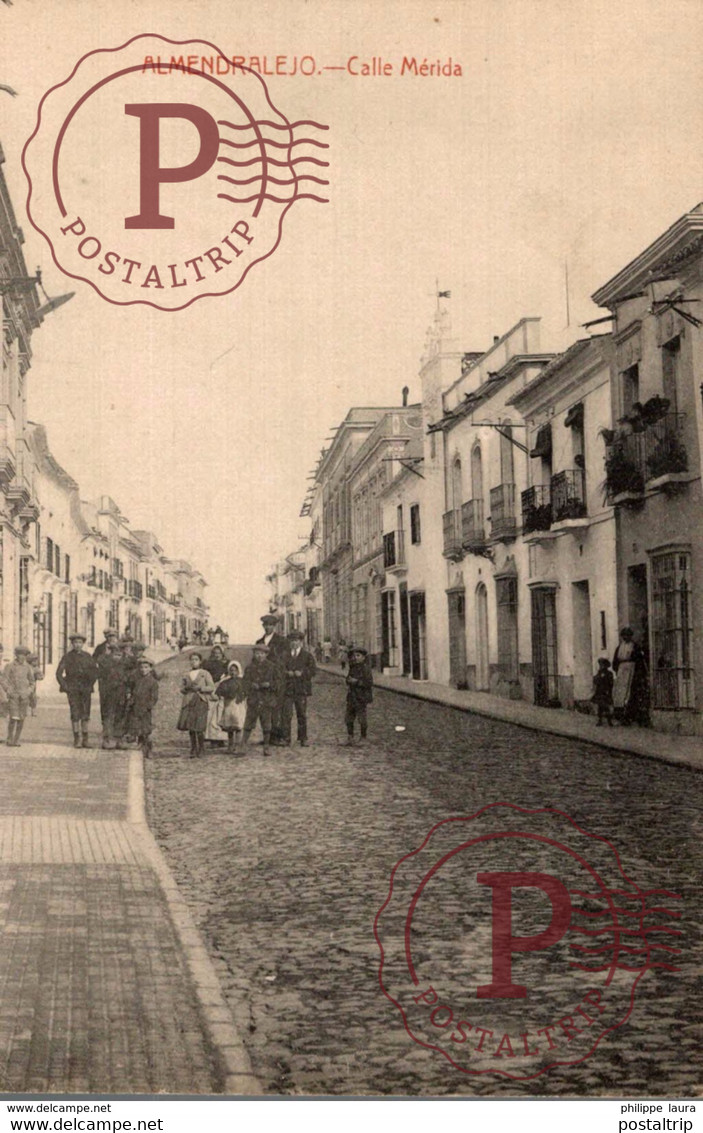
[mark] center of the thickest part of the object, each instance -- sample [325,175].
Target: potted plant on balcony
[623,476]
[668,456]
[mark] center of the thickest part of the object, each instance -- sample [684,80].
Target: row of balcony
[465,529]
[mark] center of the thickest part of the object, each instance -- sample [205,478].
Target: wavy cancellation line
[273,125]
[264,160]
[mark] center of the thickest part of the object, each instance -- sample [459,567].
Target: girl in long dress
[197,688]
[232,696]
[216,666]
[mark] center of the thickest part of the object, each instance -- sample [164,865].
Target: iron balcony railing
[451,523]
[134,588]
[502,500]
[473,532]
[664,451]
[393,549]
[536,508]
[653,450]
[568,499]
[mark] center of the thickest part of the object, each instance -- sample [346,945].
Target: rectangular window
[672,630]
[49,560]
[57,560]
[415,532]
[67,568]
[630,387]
[671,353]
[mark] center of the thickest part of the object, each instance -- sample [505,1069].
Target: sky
[570,142]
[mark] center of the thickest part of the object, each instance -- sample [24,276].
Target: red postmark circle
[160,177]
[512,941]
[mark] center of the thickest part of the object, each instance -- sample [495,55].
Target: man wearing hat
[110,635]
[18,679]
[278,650]
[76,674]
[359,691]
[299,668]
[261,681]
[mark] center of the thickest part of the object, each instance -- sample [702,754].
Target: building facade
[500,534]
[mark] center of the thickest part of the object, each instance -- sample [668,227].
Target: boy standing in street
[359,691]
[19,682]
[262,681]
[144,697]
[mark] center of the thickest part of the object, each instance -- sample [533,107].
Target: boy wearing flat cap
[76,674]
[359,691]
[262,683]
[19,682]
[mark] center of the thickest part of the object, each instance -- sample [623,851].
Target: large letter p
[151,174]
[504,943]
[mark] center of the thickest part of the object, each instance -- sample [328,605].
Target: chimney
[406,391]
[496,338]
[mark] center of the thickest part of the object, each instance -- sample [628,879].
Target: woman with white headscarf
[232,696]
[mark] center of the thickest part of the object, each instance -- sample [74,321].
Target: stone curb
[232,1056]
[623,744]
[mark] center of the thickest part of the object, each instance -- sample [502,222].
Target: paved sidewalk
[685,750]
[105,986]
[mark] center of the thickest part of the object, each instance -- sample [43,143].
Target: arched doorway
[482,671]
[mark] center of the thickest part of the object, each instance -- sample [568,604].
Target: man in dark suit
[277,653]
[76,674]
[299,669]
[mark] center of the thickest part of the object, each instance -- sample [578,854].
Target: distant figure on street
[18,678]
[110,635]
[277,651]
[262,685]
[327,651]
[38,676]
[603,691]
[196,688]
[299,668]
[216,666]
[631,687]
[359,691]
[144,697]
[182,642]
[232,694]
[342,654]
[113,681]
[77,674]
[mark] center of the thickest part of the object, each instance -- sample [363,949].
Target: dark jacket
[112,675]
[232,688]
[278,648]
[216,668]
[144,696]
[76,671]
[360,682]
[99,650]
[304,664]
[603,688]
[262,682]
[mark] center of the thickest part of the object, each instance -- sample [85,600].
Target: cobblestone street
[286,861]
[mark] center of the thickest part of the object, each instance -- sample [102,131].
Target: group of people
[220,697]
[127,685]
[621,690]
